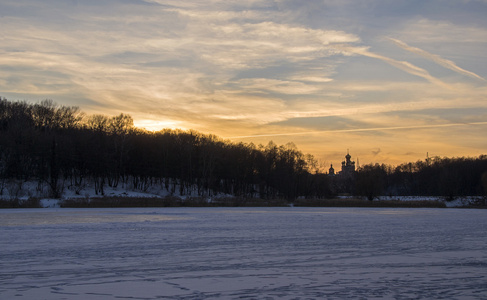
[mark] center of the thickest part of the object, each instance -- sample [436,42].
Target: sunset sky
[388,80]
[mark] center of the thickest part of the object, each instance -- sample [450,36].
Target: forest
[448,178]
[61,147]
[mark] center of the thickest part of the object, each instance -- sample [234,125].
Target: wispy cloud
[235,68]
[362,130]
[437,59]
[402,65]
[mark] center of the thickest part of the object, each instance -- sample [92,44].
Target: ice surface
[243,253]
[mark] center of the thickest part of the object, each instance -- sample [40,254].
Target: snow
[243,253]
[462,201]
[49,203]
[25,190]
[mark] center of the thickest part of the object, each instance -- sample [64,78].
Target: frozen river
[243,253]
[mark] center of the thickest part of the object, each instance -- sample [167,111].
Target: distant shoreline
[170,201]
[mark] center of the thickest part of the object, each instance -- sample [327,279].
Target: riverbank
[173,201]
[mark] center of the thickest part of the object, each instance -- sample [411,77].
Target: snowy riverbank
[28,190]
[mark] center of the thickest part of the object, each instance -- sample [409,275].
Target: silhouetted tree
[370,181]
[59,146]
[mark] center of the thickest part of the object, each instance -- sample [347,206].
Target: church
[348,167]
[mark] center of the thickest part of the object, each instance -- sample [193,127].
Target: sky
[389,81]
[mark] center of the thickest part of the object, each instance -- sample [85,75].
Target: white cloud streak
[416,127]
[402,65]
[437,59]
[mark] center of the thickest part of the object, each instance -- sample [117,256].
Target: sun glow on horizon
[153,125]
[409,83]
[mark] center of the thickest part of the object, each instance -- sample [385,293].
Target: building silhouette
[331,171]
[348,166]
[343,182]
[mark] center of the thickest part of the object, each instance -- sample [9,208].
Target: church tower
[348,166]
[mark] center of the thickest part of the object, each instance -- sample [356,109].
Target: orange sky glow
[388,80]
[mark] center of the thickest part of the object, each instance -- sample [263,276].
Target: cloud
[244,68]
[443,31]
[413,127]
[133,65]
[437,59]
[263,85]
[402,65]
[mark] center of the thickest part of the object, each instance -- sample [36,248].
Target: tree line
[61,147]
[444,177]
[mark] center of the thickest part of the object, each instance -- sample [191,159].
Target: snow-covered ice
[243,253]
